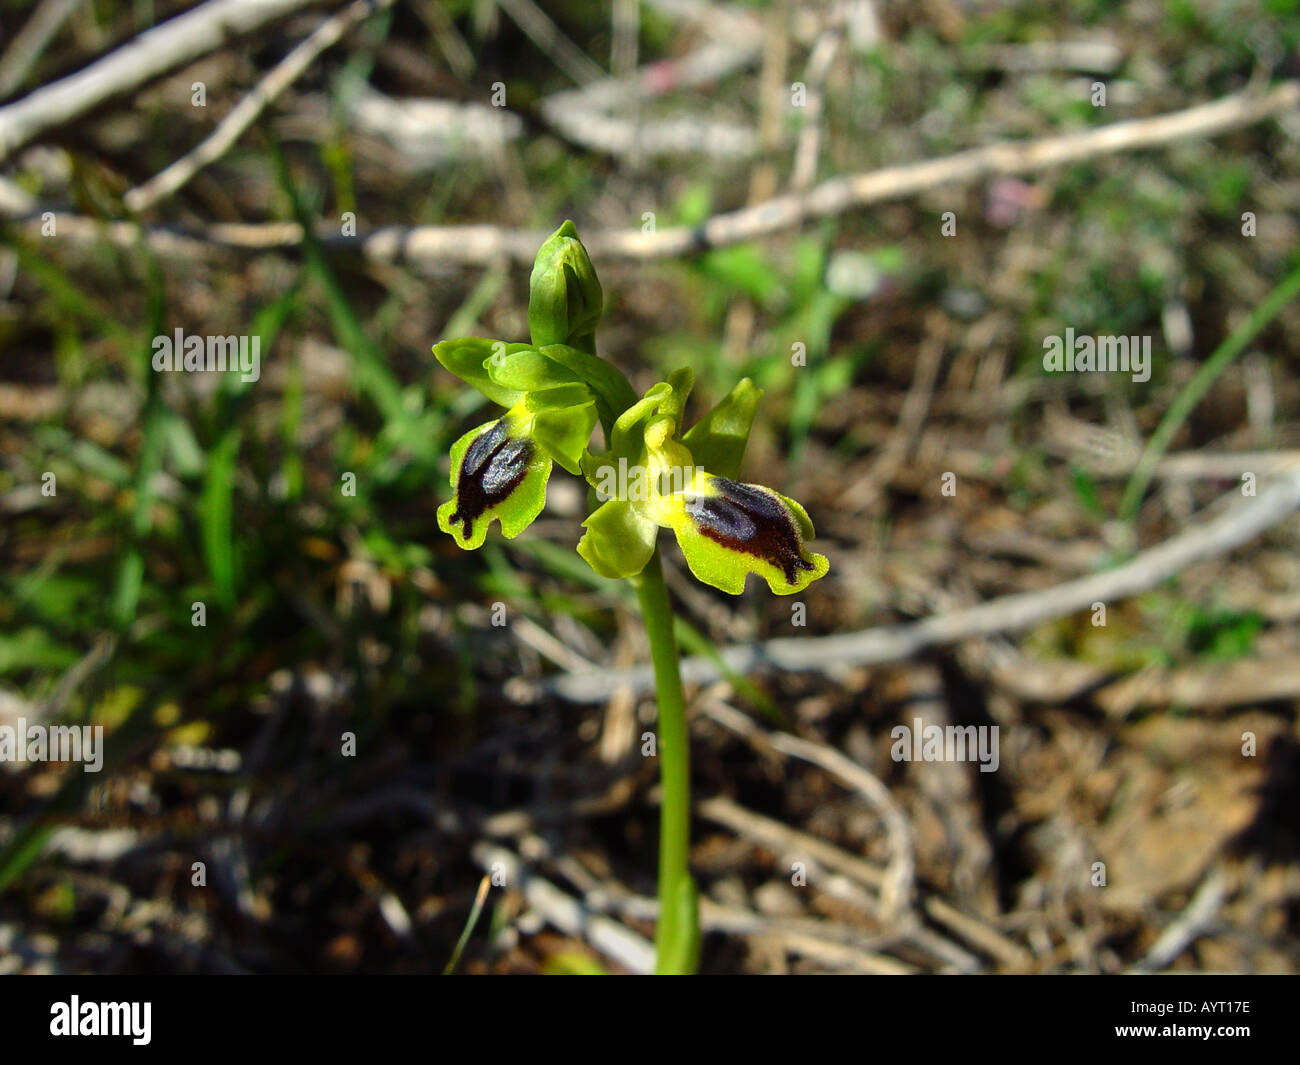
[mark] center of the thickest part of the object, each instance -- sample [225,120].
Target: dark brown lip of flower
[495,464]
[751,521]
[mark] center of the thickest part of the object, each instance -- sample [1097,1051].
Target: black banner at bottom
[1172,1015]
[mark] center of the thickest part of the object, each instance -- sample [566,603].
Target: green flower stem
[677,937]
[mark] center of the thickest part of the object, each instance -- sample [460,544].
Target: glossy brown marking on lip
[749,520]
[495,464]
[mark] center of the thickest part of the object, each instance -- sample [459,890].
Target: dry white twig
[1242,521]
[614,940]
[808,152]
[30,41]
[1191,924]
[897,882]
[245,113]
[551,40]
[153,53]
[488,244]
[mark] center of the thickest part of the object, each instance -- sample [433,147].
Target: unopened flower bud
[564,295]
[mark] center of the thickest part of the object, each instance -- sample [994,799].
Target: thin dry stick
[825,941]
[840,194]
[862,493]
[808,152]
[232,127]
[566,913]
[155,52]
[1242,521]
[773,833]
[487,244]
[899,876]
[551,40]
[30,42]
[1183,467]
[1191,924]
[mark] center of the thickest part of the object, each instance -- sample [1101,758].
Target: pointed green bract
[718,439]
[606,381]
[673,405]
[559,397]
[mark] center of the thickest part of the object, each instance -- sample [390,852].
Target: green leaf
[21,851]
[33,648]
[717,441]
[468,359]
[618,541]
[742,267]
[215,510]
[680,383]
[527,370]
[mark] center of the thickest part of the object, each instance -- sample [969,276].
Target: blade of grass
[68,297]
[466,318]
[373,377]
[215,513]
[480,898]
[24,849]
[1195,390]
[130,574]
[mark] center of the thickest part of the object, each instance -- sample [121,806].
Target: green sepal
[618,541]
[680,382]
[469,358]
[628,438]
[565,300]
[717,441]
[565,431]
[526,369]
[516,511]
[606,381]
[571,395]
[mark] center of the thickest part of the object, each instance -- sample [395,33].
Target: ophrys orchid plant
[652,473]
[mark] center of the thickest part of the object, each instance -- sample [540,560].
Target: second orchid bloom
[726,529]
